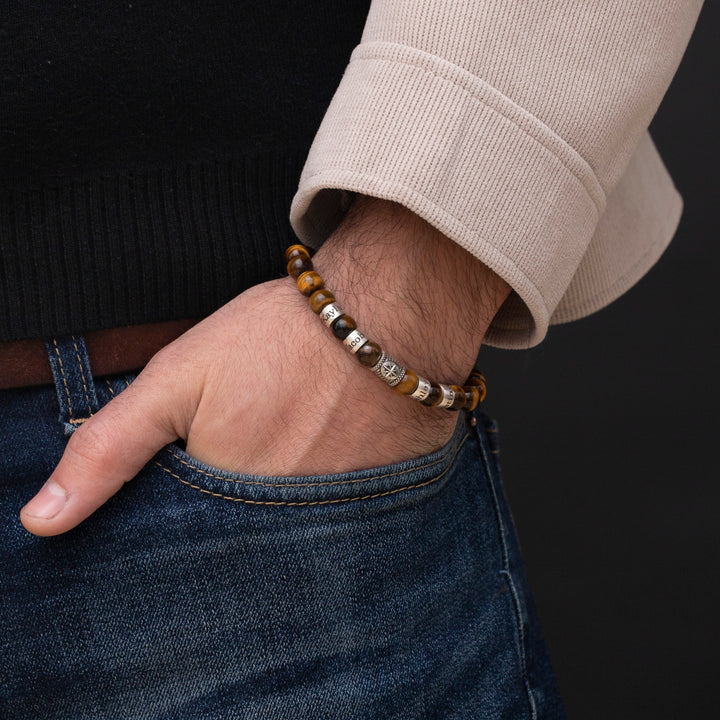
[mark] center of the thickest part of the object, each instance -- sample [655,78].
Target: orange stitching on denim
[77,421]
[308,503]
[82,375]
[112,392]
[62,372]
[310,484]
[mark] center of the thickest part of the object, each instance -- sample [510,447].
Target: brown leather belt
[111,351]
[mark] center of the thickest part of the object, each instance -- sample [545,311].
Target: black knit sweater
[149,151]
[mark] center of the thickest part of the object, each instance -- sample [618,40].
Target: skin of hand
[261,386]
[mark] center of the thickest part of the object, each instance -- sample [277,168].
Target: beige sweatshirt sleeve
[519,129]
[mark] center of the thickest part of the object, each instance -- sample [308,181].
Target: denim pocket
[341,488]
[389,483]
[200,594]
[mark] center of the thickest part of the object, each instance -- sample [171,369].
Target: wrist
[422,297]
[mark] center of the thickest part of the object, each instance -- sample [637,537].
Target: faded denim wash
[195,593]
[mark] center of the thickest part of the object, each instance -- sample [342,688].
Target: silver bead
[387,369]
[447,396]
[330,313]
[397,375]
[355,340]
[376,367]
[422,390]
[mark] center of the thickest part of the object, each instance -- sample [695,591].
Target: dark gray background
[610,446]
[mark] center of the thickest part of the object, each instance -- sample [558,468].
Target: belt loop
[73,380]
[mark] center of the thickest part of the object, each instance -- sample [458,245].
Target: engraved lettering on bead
[330,313]
[422,390]
[448,396]
[355,340]
[370,354]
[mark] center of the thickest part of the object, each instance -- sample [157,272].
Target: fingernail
[48,502]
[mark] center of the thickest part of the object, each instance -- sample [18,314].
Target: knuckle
[91,445]
[156,368]
[167,358]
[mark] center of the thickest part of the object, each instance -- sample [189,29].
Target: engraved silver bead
[447,396]
[376,367]
[355,340]
[396,375]
[330,313]
[422,390]
[388,370]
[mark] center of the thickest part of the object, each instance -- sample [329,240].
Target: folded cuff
[640,219]
[408,126]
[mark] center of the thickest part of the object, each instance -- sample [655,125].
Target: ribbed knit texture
[149,152]
[519,130]
[153,245]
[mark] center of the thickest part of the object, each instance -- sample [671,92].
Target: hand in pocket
[262,387]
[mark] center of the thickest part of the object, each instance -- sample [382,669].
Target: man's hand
[262,387]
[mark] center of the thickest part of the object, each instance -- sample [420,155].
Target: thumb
[105,452]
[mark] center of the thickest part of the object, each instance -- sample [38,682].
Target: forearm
[421,296]
[425,299]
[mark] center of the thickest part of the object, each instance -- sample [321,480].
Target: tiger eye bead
[296,251]
[343,326]
[408,384]
[477,379]
[309,282]
[369,353]
[472,398]
[298,265]
[434,396]
[459,400]
[319,299]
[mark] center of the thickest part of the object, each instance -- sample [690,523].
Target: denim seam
[62,372]
[82,375]
[316,502]
[505,572]
[312,484]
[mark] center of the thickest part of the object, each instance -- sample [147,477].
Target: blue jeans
[395,592]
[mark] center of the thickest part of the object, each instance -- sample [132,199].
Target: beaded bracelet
[369,353]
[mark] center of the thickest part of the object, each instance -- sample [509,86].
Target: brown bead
[472,397]
[459,400]
[309,282]
[369,353]
[343,326]
[408,385]
[477,379]
[434,396]
[297,266]
[320,298]
[296,251]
